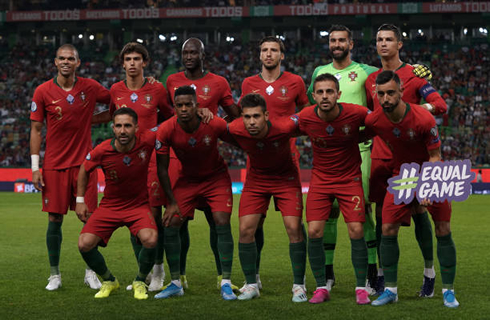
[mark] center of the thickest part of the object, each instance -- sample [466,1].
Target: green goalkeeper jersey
[351,81]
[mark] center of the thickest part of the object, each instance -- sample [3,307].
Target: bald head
[68,47]
[193,55]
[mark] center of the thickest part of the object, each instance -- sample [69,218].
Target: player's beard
[389,107]
[271,67]
[340,57]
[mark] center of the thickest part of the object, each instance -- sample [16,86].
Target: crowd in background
[461,74]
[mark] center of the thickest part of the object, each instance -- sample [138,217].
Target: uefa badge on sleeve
[434,181]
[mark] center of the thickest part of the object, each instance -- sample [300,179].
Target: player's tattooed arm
[81,209]
[35,144]
[232,112]
[172,208]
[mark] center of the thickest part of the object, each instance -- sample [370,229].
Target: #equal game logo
[435,181]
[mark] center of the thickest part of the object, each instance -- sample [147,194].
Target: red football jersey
[68,116]
[336,157]
[212,90]
[411,138]
[197,151]
[270,157]
[414,89]
[146,101]
[281,96]
[125,173]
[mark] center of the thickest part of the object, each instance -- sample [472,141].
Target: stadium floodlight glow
[483,31]
[80,36]
[230,39]
[173,38]
[139,40]
[281,37]
[162,37]
[465,31]
[323,33]
[91,37]
[404,34]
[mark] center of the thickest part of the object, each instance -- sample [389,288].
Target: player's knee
[247,234]
[389,229]
[85,244]
[148,238]
[221,218]
[443,228]
[356,230]
[55,217]
[315,232]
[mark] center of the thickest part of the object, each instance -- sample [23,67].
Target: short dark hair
[340,27]
[185,90]
[68,46]
[391,27]
[327,77]
[131,47]
[128,111]
[253,100]
[386,76]
[273,39]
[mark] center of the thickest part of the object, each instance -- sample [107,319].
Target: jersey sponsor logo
[396,132]
[352,76]
[88,157]
[346,129]
[269,90]
[134,97]
[33,106]
[158,145]
[411,134]
[207,140]
[330,130]
[192,141]
[127,161]
[70,99]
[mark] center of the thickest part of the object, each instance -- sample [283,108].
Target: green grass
[24,270]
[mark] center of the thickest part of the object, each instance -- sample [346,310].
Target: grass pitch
[24,271]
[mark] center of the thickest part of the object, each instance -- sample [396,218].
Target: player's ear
[400,45]
[339,94]
[136,127]
[282,56]
[266,115]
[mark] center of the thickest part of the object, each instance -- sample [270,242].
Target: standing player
[410,132]
[271,172]
[212,92]
[334,132]
[150,102]
[283,92]
[203,177]
[388,45]
[351,76]
[67,104]
[124,160]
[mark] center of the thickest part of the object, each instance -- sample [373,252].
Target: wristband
[430,108]
[80,200]
[34,162]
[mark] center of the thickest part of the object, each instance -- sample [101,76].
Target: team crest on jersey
[269,90]
[411,133]
[33,106]
[207,140]
[260,145]
[206,90]
[148,98]
[127,160]
[396,132]
[82,96]
[275,144]
[142,154]
[338,76]
[134,97]
[88,157]
[330,130]
[192,141]
[46,200]
[353,76]
[346,129]
[284,92]
[70,99]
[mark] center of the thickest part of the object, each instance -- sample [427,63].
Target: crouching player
[124,160]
